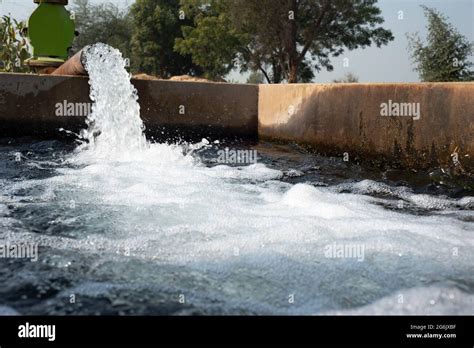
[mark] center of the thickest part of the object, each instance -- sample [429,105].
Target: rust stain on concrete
[168,108]
[339,118]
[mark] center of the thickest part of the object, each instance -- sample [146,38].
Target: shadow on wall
[41,105]
[414,125]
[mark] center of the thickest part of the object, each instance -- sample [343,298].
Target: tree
[104,23]
[445,56]
[284,39]
[348,78]
[156,26]
[214,45]
[256,78]
[13,45]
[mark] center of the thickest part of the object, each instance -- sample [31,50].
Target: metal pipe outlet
[73,66]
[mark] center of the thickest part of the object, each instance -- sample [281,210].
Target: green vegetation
[348,78]
[445,56]
[287,40]
[276,40]
[256,78]
[13,45]
[157,24]
[102,23]
[145,34]
[284,40]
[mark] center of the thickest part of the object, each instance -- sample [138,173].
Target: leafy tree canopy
[256,78]
[348,78]
[13,45]
[287,40]
[446,54]
[105,23]
[156,26]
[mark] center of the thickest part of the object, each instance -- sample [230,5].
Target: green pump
[51,31]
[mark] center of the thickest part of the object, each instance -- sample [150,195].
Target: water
[129,227]
[114,123]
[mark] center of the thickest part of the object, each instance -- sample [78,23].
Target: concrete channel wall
[418,125]
[40,105]
[434,125]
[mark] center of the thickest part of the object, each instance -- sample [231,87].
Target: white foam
[165,207]
[418,200]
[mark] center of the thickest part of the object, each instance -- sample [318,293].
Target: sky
[390,63]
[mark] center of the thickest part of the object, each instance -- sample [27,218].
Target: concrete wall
[331,118]
[168,108]
[346,118]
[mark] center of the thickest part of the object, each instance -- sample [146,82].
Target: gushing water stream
[132,227]
[114,123]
